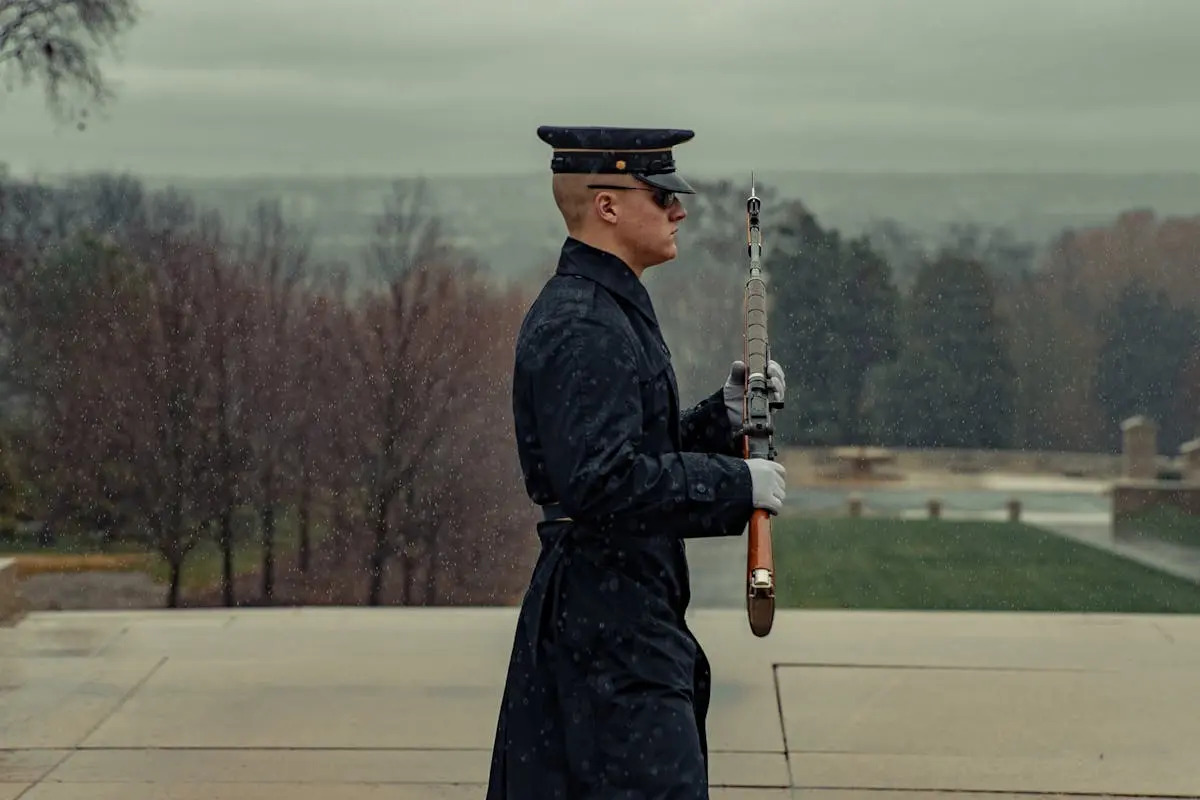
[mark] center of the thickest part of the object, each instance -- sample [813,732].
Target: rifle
[757,429]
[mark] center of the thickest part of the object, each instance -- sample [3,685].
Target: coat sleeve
[705,427]
[589,417]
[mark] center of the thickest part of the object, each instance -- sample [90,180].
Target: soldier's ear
[606,206]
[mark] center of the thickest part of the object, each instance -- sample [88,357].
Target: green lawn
[883,564]
[203,566]
[952,565]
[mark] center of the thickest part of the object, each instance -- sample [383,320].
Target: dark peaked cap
[644,153]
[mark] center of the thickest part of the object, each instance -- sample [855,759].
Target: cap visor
[670,181]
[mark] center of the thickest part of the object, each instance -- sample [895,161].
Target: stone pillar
[1139,448]
[855,505]
[1014,510]
[1189,454]
[10,600]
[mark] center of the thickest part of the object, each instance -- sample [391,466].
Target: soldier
[607,688]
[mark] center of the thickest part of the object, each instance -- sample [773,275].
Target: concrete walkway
[392,704]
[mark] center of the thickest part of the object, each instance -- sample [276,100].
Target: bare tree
[229,304]
[398,385]
[464,513]
[57,43]
[315,402]
[410,234]
[274,255]
[123,401]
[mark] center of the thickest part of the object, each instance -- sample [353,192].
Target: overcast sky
[441,86]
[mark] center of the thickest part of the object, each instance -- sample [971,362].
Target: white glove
[735,387]
[770,488]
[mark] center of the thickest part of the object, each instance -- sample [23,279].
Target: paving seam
[80,745]
[1004,792]
[787,752]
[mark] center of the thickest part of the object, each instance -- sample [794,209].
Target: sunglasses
[662,198]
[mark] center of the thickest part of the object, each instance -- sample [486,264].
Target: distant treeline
[975,340]
[167,376]
[167,373]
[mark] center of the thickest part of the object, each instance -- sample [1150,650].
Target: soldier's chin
[653,256]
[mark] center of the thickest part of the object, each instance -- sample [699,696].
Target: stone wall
[1131,496]
[1139,459]
[1142,487]
[804,460]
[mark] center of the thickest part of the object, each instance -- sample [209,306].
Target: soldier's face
[649,229]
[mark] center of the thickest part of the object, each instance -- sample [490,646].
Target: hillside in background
[511,220]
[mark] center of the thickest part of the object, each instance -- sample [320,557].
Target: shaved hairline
[574,198]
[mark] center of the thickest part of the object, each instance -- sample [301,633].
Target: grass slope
[954,565]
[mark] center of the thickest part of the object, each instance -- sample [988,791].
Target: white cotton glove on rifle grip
[769,481]
[735,386]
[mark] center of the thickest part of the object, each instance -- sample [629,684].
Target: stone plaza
[400,704]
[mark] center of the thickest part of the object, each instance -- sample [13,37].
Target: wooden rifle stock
[757,426]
